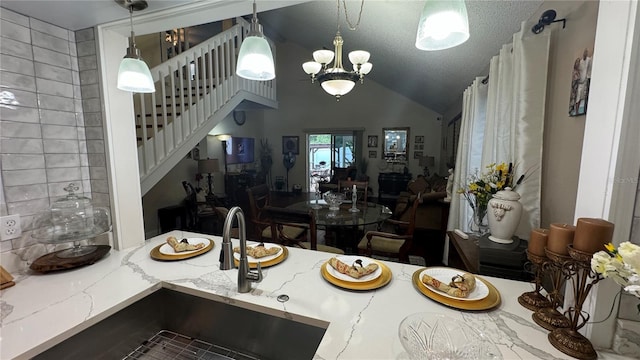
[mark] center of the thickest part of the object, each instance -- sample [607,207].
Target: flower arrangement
[622,265]
[481,186]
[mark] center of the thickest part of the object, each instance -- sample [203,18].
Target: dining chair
[362,188]
[259,199]
[392,244]
[281,218]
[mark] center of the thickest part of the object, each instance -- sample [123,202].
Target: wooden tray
[51,262]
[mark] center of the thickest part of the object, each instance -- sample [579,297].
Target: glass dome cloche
[72,218]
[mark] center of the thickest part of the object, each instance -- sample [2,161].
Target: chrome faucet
[245,276]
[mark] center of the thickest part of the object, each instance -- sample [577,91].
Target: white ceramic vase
[504,212]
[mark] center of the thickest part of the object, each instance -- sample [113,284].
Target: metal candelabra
[568,339]
[534,300]
[549,317]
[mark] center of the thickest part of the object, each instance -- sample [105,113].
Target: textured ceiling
[387,30]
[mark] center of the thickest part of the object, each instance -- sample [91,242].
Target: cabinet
[390,185]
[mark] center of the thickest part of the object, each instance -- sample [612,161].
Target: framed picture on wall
[417,154]
[372,141]
[419,139]
[580,81]
[291,144]
[373,154]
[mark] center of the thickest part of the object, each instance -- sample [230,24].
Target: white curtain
[512,124]
[469,153]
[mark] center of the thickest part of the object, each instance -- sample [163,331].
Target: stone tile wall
[50,118]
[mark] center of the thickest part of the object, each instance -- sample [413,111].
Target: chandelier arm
[346,14]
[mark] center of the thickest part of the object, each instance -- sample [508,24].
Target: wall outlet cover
[10,227]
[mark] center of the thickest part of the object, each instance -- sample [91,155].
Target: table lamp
[208,166]
[426,161]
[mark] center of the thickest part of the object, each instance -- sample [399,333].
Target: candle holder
[533,300]
[549,317]
[569,340]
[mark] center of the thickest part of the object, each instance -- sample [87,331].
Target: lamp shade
[134,76]
[255,60]
[208,166]
[223,137]
[443,25]
[311,67]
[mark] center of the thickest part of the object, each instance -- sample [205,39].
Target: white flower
[598,262]
[630,255]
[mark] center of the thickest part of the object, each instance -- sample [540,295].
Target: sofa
[433,211]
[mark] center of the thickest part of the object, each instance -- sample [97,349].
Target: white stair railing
[193,93]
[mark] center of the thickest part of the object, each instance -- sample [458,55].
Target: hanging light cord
[346,14]
[132,41]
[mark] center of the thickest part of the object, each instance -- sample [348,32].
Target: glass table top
[369,213]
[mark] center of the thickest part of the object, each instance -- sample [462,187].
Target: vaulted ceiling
[387,30]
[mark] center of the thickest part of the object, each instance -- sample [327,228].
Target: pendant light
[134,74]
[336,80]
[443,25]
[255,60]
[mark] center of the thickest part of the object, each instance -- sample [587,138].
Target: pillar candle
[560,236]
[538,241]
[591,234]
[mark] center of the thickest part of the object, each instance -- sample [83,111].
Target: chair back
[259,198]
[362,188]
[412,215]
[281,217]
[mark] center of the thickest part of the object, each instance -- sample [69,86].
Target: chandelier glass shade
[133,73]
[255,59]
[443,25]
[334,79]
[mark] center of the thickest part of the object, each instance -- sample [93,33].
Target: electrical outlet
[10,227]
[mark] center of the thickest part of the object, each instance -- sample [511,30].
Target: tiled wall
[51,130]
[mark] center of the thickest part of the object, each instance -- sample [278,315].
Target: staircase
[195,90]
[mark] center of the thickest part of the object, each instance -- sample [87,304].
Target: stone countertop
[42,310]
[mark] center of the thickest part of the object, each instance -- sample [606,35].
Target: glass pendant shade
[359,57]
[255,60]
[443,25]
[366,68]
[134,76]
[311,67]
[323,56]
[338,87]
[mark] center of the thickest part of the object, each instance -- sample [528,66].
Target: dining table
[344,224]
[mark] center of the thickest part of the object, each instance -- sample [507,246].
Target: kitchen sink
[186,324]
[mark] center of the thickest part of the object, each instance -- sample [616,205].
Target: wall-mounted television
[240,150]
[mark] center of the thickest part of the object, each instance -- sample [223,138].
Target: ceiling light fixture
[443,25]
[336,80]
[255,60]
[134,74]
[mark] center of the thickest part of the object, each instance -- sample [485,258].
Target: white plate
[349,260]
[262,259]
[444,275]
[166,249]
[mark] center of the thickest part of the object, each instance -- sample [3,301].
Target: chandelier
[335,80]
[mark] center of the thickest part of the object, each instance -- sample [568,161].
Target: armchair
[393,245]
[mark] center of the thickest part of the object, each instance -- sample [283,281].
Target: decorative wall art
[419,139]
[372,141]
[291,144]
[417,154]
[373,154]
[580,81]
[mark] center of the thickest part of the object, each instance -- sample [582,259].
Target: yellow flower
[610,248]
